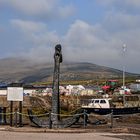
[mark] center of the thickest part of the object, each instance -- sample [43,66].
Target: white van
[98,103]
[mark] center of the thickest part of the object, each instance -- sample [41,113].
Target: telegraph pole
[124,50]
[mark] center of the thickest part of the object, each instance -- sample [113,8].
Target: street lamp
[124,50]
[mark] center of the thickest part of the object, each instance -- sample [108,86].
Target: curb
[66,130]
[45,130]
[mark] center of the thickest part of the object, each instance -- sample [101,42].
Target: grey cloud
[28,26]
[40,39]
[85,42]
[40,8]
[135,3]
[35,31]
[66,11]
[117,22]
[128,6]
[132,3]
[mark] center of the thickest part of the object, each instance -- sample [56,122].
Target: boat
[119,105]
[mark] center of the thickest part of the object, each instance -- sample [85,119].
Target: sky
[93,31]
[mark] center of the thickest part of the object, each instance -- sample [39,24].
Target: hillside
[13,69]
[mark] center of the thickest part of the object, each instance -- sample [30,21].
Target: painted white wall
[29,91]
[3,92]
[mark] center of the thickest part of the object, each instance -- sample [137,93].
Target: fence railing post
[50,121]
[20,114]
[85,118]
[11,113]
[15,115]
[111,119]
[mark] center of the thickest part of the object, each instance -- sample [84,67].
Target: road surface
[5,135]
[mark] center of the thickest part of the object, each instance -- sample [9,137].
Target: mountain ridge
[24,70]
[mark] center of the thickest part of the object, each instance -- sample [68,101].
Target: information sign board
[15,94]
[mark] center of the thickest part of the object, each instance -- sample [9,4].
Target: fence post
[85,117]
[15,115]
[11,113]
[20,114]
[3,115]
[50,121]
[111,118]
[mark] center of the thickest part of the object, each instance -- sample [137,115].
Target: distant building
[138,80]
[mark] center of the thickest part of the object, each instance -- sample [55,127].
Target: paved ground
[33,133]
[6,135]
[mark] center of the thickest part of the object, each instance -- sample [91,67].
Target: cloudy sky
[88,30]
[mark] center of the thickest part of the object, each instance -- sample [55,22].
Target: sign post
[15,94]
[11,113]
[20,114]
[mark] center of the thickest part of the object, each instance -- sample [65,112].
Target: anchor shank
[55,95]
